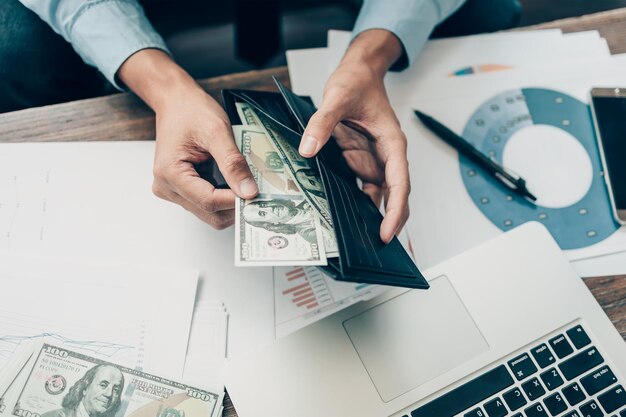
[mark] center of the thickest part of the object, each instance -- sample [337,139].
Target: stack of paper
[520,97]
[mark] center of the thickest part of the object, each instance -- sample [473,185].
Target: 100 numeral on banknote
[63,383]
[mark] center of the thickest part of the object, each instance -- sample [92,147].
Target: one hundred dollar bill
[278,226]
[64,383]
[300,170]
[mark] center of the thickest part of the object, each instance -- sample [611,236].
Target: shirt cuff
[412,25]
[106,33]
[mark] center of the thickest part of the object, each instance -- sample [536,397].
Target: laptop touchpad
[415,337]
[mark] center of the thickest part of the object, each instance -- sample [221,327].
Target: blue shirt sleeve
[412,21]
[105,33]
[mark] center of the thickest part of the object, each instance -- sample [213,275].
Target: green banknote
[58,382]
[300,170]
[278,226]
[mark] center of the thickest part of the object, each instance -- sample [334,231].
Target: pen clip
[511,178]
[515,181]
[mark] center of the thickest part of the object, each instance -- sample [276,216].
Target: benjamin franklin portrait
[282,216]
[97,394]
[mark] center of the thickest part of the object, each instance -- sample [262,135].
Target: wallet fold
[363,257]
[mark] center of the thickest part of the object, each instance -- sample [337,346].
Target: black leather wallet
[363,257]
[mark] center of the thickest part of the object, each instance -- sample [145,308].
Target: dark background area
[538,11]
[202,38]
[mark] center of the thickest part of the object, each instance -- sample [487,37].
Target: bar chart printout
[304,295]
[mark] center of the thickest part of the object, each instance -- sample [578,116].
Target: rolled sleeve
[105,33]
[412,21]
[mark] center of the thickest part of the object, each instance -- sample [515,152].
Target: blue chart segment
[584,223]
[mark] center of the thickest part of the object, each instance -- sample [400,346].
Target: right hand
[191,127]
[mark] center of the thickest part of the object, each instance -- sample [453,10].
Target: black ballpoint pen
[514,183]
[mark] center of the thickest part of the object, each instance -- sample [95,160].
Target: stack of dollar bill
[289,222]
[44,380]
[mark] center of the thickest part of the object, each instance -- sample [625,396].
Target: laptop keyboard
[563,376]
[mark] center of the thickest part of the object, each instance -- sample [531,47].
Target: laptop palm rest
[414,338]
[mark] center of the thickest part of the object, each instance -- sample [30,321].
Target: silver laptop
[507,329]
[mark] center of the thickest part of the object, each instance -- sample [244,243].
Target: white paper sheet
[310,68]
[304,295]
[206,354]
[613,264]
[133,315]
[94,201]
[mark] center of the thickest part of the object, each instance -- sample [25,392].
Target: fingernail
[248,187]
[308,145]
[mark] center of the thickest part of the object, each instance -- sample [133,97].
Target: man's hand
[191,128]
[355,108]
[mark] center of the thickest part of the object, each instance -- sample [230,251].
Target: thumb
[234,168]
[318,130]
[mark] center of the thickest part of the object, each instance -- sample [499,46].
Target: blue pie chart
[581,224]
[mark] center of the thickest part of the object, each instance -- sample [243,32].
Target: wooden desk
[125,117]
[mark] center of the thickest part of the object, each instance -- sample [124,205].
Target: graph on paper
[125,344]
[132,315]
[304,295]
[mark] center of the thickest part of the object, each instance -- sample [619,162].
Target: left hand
[356,111]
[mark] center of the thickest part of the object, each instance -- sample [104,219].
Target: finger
[185,182]
[203,194]
[218,220]
[319,129]
[399,187]
[232,163]
[374,192]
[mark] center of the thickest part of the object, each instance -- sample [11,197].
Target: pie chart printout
[548,138]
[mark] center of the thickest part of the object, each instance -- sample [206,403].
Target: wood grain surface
[116,117]
[124,117]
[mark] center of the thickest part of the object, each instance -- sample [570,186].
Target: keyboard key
[536,410]
[591,409]
[598,380]
[477,412]
[522,366]
[467,395]
[578,336]
[514,399]
[552,379]
[574,394]
[613,399]
[517,415]
[572,413]
[581,363]
[622,413]
[555,404]
[533,389]
[561,346]
[495,408]
[543,355]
